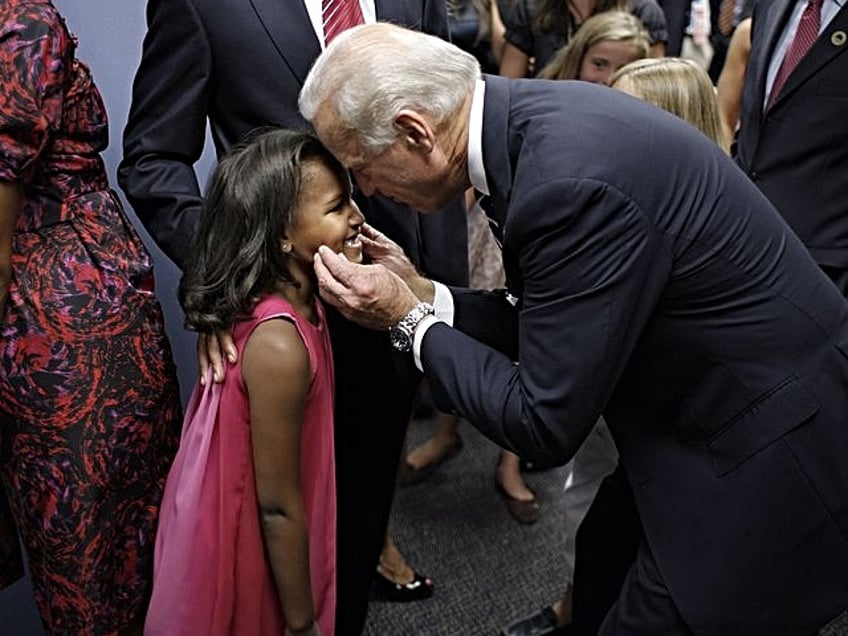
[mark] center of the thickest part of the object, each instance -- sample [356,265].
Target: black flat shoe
[419,588]
[541,623]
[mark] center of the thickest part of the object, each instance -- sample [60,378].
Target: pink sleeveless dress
[210,575]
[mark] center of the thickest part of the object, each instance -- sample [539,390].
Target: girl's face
[602,59]
[325,215]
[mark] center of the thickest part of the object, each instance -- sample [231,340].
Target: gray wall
[110,34]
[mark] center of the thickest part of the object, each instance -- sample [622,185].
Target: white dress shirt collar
[476,171]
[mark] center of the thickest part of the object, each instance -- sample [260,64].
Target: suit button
[754,176]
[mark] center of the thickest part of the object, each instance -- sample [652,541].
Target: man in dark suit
[794,144]
[656,286]
[240,64]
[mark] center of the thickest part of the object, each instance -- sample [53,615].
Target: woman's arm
[514,62]
[11,200]
[498,31]
[731,81]
[276,373]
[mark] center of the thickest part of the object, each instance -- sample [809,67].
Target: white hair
[370,73]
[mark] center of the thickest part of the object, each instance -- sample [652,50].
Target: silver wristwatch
[401,334]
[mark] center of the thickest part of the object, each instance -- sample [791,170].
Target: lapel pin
[838,38]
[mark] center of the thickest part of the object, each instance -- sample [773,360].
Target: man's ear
[415,131]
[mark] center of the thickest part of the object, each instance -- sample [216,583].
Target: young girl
[247,539]
[606,42]
[537,29]
[677,85]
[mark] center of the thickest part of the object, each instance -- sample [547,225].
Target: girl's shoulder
[272,306]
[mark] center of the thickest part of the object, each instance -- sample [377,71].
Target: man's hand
[369,295]
[382,250]
[210,351]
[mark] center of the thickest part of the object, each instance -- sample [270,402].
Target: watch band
[401,334]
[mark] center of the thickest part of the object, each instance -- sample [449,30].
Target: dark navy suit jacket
[797,151]
[657,285]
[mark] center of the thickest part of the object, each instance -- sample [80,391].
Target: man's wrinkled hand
[382,250]
[369,295]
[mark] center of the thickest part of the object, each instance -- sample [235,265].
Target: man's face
[402,172]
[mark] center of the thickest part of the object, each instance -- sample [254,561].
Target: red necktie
[339,15]
[808,31]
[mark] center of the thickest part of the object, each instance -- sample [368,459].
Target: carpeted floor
[488,569]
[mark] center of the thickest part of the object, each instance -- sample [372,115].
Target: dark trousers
[839,275]
[605,549]
[374,392]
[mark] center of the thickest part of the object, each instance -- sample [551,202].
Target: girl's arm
[276,373]
[731,81]
[11,200]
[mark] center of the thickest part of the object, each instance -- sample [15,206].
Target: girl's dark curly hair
[250,203]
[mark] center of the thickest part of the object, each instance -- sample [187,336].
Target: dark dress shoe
[541,623]
[524,512]
[419,588]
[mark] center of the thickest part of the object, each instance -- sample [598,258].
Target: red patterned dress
[89,404]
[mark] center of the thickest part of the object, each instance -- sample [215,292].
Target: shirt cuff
[443,303]
[418,336]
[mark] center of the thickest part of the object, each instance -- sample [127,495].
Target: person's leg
[519,498]
[596,459]
[373,404]
[442,445]
[839,275]
[605,548]
[397,581]
[644,607]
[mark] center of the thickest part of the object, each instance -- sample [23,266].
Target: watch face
[400,339]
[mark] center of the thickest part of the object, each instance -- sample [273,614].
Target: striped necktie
[339,15]
[726,16]
[805,35]
[485,206]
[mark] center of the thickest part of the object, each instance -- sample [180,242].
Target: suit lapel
[497,164]
[777,16]
[287,24]
[822,51]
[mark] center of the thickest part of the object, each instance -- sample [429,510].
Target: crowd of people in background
[268,502]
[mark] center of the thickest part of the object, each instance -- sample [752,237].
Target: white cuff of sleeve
[418,337]
[443,303]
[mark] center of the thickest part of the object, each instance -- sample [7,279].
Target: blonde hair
[609,26]
[677,85]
